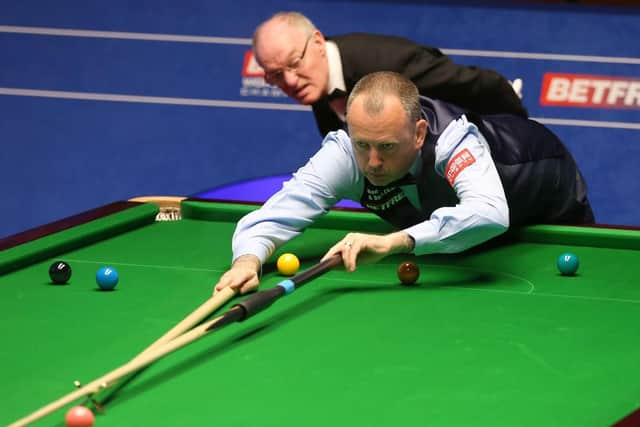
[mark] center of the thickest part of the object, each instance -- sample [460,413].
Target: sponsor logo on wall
[253,83]
[591,91]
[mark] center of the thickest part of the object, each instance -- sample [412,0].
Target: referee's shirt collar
[336,76]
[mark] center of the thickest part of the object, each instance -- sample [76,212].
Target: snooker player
[321,72]
[446,178]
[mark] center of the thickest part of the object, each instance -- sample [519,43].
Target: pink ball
[79,416]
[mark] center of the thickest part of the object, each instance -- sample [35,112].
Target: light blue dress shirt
[332,174]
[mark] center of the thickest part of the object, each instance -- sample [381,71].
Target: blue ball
[107,278]
[568,264]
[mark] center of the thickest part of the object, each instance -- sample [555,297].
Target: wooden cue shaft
[106,380]
[211,305]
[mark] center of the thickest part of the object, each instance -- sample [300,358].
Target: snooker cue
[211,305]
[200,313]
[263,299]
[109,379]
[141,360]
[236,313]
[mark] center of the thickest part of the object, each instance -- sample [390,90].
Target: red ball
[79,416]
[408,273]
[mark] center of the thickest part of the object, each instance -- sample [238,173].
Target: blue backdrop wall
[107,101]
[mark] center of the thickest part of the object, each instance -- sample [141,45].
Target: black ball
[60,272]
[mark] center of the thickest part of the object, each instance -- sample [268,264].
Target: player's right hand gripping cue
[243,275]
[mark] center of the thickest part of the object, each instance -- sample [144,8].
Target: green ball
[568,264]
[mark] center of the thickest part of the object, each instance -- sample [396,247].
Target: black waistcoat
[539,176]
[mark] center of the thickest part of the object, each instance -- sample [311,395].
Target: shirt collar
[336,76]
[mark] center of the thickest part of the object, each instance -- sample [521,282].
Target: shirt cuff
[425,235]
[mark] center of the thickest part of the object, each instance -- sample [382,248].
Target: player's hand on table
[242,276]
[368,248]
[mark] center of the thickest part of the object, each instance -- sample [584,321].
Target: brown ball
[408,273]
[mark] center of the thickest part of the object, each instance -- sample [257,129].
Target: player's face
[294,61]
[386,144]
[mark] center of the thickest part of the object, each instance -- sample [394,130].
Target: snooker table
[494,336]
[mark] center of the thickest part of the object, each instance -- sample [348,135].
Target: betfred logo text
[580,90]
[457,164]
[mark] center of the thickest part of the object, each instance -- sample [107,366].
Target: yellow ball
[288,264]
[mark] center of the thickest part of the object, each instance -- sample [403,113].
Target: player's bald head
[374,89]
[385,127]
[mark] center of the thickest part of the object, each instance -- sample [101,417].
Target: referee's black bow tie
[337,93]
